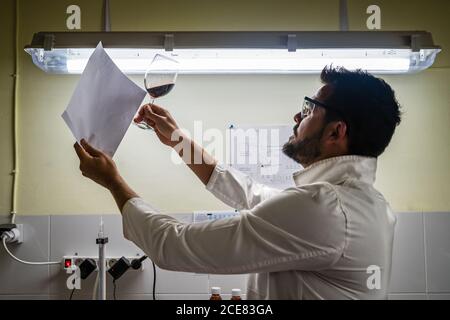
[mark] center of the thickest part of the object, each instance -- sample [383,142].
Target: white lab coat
[317,240]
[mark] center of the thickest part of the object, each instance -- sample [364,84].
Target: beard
[304,151]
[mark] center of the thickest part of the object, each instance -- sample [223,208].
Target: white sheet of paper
[103,104]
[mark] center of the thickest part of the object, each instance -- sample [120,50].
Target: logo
[374,20]
[374,280]
[73,21]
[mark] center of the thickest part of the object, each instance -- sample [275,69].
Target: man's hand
[161,121]
[97,165]
[167,129]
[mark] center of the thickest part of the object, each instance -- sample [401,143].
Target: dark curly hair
[367,105]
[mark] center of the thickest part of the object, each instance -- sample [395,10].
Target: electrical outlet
[20,228]
[78,261]
[110,262]
[14,231]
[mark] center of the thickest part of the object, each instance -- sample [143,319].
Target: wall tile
[437,231]
[72,234]
[181,282]
[408,258]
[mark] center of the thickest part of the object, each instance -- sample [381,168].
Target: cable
[15,171]
[154,280]
[114,290]
[26,262]
[73,290]
[137,264]
[71,294]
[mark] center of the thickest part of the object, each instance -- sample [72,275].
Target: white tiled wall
[421,256]
[421,261]
[408,256]
[437,230]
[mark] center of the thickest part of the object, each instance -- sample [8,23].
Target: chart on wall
[257,152]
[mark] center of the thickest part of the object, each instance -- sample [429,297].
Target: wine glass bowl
[159,80]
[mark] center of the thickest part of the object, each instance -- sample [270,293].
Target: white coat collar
[336,170]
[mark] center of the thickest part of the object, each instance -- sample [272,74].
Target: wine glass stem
[151,104]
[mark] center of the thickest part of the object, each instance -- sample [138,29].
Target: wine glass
[159,80]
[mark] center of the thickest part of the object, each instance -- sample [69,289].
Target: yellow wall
[414,173]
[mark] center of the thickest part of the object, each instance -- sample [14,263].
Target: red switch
[67,263]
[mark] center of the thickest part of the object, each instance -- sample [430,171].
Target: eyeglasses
[309,105]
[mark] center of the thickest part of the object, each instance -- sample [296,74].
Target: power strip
[69,261]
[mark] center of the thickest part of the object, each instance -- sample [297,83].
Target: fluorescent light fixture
[239,52]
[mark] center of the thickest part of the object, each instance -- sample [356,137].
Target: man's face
[304,146]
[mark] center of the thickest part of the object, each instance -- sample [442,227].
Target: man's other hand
[161,121]
[96,165]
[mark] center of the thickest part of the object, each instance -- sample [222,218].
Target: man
[329,237]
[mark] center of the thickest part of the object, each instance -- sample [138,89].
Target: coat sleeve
[295,230]
[236,189]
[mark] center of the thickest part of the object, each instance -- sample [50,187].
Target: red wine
[160,91]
